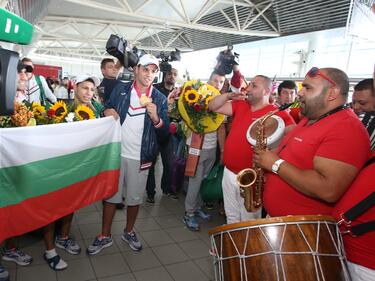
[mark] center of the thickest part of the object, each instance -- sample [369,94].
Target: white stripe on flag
[28,144]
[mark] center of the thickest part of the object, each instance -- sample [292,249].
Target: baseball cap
[83,78]
[148,59]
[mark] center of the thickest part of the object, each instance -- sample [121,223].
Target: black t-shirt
[108,85]
[161,88]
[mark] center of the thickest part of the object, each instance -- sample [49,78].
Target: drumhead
[274,129]
[286,219]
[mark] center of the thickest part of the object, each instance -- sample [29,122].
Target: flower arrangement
[193,107]
[31,114]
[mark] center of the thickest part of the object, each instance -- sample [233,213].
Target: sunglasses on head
[313,72]
[29,68]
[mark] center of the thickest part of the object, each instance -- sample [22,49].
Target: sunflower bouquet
[31,114]
[193,107]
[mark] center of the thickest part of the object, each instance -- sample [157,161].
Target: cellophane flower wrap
[193,107]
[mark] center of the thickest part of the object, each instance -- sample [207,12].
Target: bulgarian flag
[49,171]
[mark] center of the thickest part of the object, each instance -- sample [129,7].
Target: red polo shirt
[339,136]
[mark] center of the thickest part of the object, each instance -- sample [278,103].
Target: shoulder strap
[42,95]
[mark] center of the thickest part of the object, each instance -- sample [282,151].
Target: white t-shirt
[209,141]
[61,93]
[32,90]
[132,128]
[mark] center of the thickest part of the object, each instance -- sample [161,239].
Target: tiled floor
[171,251]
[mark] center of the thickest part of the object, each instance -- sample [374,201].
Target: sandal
[55,261]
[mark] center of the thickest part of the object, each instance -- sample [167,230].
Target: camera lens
[29,68]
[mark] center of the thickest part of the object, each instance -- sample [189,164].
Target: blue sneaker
[4,275]
[132,240]
[203,215]
[17,256]
[68,245]
[191,222]
[99,244]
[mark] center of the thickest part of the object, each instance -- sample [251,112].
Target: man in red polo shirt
[360,250]
[238,153]
[317,161]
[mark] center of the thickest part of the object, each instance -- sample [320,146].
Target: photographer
[166,146]
[110,72]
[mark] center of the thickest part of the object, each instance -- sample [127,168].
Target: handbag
[211,187]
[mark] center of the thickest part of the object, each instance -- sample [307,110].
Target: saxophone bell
[246,178]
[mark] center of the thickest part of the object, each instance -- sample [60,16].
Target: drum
[273,130]
[292,248]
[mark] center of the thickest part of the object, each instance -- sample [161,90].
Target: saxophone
[251,180]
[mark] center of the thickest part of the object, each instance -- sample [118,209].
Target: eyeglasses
[29,68]
[313,72]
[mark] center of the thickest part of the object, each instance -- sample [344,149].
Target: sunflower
[38,110]
[208,99]
[84,113]
[61,111]
[191,96]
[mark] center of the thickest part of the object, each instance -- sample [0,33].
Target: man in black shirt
[166,148]
[110,71]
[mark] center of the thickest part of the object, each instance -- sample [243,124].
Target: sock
[51,253]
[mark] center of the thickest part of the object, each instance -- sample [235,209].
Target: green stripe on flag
[40,177]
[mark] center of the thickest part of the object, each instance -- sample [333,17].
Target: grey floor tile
[78,270]
[203,235]
[207,266]
[181,234]
[36,273]
[90,231]
[186,271]
[159,210]
[168,221]
[156,238]
[195,249]
[122,277]
[146,224]
[108,265]
[141,260]
[12,273]
[143,213]
[30,240]
[118,227]
[154,274]
[75,233]
[88,217]
[120,215]
[169,254]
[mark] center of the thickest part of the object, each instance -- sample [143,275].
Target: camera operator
[166,147]
[110,72]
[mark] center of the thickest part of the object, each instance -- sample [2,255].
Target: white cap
[83,78]
[148,59]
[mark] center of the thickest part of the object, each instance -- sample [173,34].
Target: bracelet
[157,123]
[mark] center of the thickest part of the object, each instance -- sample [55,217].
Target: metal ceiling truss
[161,34]
[213,23]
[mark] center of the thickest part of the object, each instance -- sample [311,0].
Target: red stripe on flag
[39,211]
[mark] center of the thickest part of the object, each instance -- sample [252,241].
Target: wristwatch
[276,166]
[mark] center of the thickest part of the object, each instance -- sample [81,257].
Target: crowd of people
[323,165]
